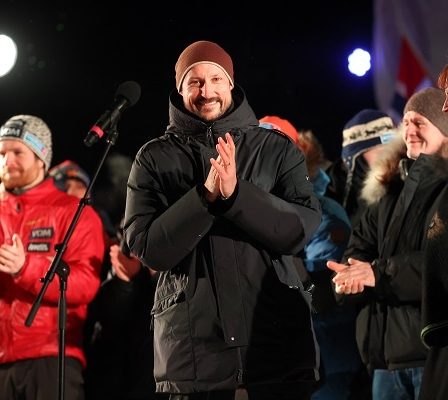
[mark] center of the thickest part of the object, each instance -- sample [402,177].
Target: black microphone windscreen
[130,90]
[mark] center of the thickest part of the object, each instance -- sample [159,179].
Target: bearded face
[19,166]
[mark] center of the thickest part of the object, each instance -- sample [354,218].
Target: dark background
[290,58]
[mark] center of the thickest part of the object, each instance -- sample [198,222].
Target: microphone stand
[60,268]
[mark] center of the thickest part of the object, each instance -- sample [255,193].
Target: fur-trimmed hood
[386,171]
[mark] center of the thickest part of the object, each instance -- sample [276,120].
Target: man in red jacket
[35,216]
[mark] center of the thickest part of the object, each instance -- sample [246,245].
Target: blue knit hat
[367,129]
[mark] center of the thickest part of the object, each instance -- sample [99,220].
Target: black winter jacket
[391,234]
[229,306]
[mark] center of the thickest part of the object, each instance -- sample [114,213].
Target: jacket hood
[386,170]
[184,123]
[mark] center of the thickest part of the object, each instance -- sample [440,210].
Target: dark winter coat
[390,235]
[229,306]
[435,292]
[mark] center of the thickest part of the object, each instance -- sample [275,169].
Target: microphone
[128,93]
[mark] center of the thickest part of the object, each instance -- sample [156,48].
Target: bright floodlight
[359,62]
[8,54]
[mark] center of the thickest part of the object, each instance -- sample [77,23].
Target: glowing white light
[8,54]
[359,62]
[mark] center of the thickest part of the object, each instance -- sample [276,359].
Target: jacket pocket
[173,349]
[403,345]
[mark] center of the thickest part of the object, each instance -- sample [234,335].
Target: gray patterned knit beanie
[31,131]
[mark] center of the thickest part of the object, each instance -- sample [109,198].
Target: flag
[410,48]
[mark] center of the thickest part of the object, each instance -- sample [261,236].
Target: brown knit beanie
[199,53]
[429,102]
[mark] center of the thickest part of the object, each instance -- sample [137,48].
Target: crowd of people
[240,263]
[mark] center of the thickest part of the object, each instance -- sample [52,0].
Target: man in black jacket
[219,206]
[385,253]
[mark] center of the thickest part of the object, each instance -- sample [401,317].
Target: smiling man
[219,206]
[385,257]
[34,217]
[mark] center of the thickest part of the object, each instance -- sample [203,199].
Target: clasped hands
[352,278]
[221,180]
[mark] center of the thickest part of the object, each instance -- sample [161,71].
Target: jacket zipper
[240,370]
[210,135]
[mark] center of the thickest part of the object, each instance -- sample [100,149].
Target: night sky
[290,60]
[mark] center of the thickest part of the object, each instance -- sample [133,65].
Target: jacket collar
[184,124]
